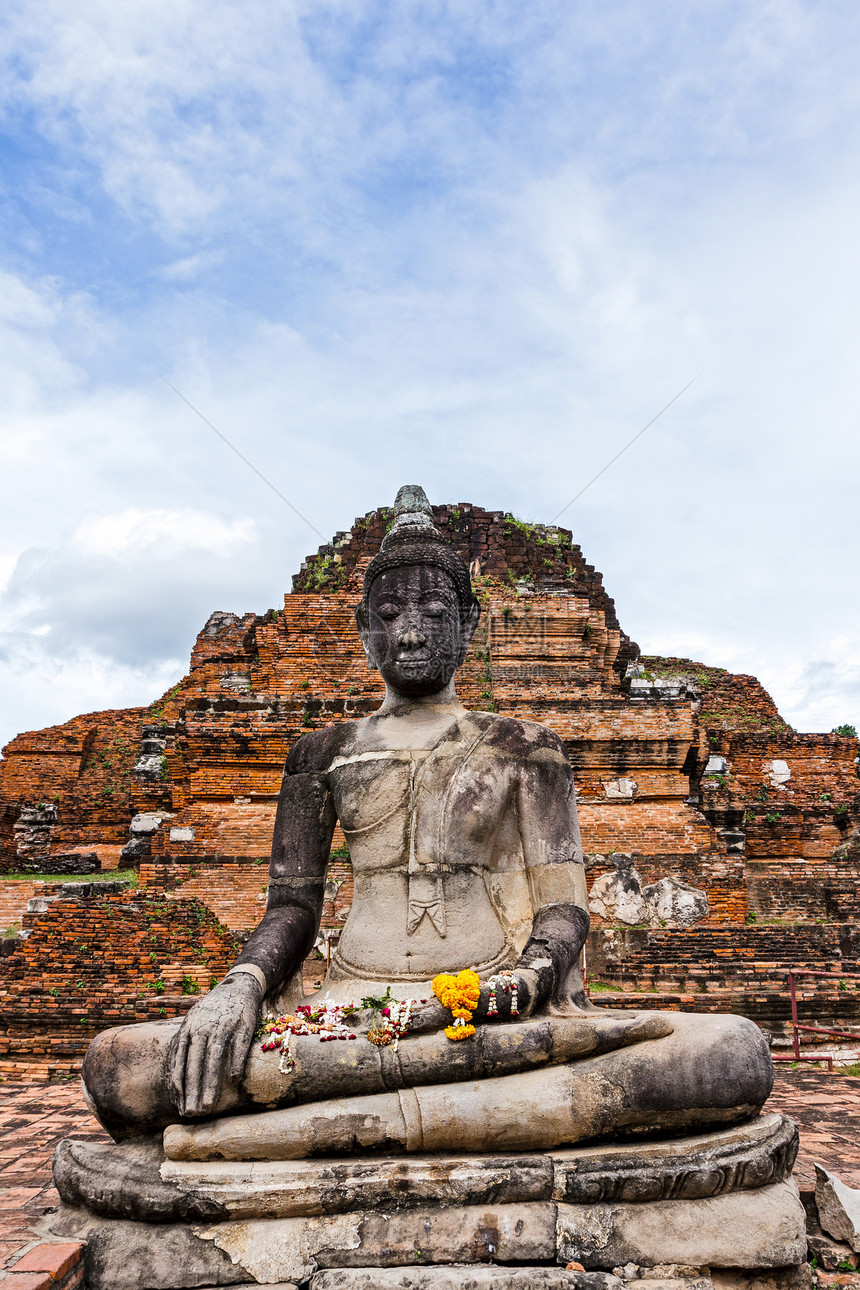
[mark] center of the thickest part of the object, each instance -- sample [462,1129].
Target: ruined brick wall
[494,545]
[731,969]
[13,901]
[83,771]
[93,963]
[236,893]
[730,701]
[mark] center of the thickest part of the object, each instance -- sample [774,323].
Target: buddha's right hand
[212,1044]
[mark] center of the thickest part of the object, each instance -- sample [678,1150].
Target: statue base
[721,1200]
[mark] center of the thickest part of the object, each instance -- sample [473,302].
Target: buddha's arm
[549,833]
[300,847]
[213,1043]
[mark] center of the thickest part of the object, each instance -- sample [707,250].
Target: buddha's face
[414,631]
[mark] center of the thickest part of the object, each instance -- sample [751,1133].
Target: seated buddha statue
[465,847]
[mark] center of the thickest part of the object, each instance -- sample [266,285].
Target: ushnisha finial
[411,498]
[412,511]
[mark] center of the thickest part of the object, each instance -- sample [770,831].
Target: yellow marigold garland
[460,993]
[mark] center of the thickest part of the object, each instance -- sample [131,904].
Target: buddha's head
[418,612]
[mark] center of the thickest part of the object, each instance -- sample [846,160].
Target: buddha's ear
[364,632]
[469,621]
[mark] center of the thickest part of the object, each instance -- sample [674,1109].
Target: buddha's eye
[434,609]
[388,611]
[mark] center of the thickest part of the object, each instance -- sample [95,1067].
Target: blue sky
[472,246]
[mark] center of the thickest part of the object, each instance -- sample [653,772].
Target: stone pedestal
[720,1200]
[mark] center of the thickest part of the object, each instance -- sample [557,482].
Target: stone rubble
[838,1208]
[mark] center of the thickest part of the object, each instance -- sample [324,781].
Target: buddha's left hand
[526,995]
[432,1016]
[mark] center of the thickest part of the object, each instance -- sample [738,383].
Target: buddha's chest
[439,807]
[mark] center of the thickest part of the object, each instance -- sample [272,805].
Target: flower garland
[397,1014]
[393,1017]
[460,993]
[327,1021]
[506,981]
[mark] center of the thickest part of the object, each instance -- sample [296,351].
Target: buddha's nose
[412,636]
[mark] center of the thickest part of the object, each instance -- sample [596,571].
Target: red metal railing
[796,1027]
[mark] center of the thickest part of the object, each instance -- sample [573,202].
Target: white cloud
[7,564]
[133,587]
[824,692]
[40,690]
[135,533]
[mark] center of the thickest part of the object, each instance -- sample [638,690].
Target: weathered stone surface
[751,1155]
[135,1181]
[145,823]
[464,1278]
[753,1229]
[620,790]
[761,1229]
[797,1277]
[148,769]
[648,1282]
[66,862]
[838,1208]
[123,1182]
[619,896]
[777,772]
[293,1248]
[291,1188]
[673,903]
[829,1254]
[128,1256]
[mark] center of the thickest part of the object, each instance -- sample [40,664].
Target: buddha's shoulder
[521,739]
[314,752]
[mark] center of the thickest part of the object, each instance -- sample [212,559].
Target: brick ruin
[690,766]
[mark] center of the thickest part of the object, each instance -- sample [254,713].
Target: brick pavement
[34,1117]
[827,1111]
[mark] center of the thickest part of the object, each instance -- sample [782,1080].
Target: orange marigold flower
[460,993]
[459,1032]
